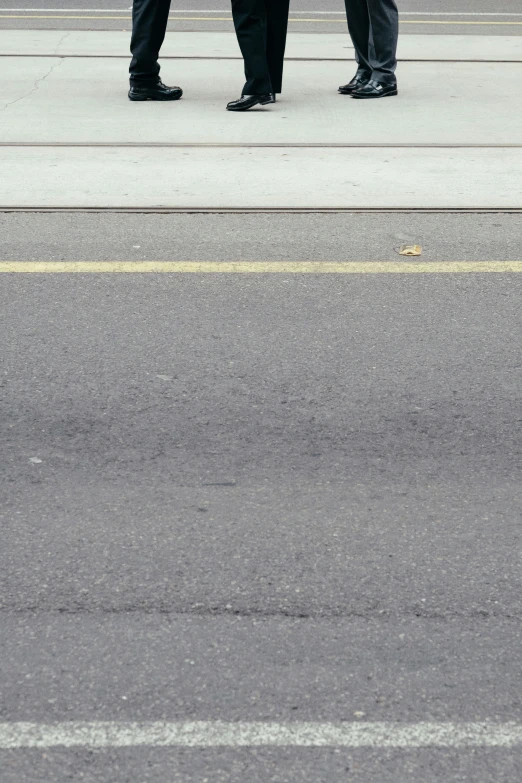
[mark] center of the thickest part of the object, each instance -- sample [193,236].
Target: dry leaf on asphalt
[410,250]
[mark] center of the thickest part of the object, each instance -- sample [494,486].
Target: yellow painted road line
[47,16]
[261,267]
[229,19]
[433,21]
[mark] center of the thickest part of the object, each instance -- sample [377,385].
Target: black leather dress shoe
[154,92]
[359,80]
[248,101]
[375,89]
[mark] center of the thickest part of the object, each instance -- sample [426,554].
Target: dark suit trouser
[261,27]
[149,25]
[374,29]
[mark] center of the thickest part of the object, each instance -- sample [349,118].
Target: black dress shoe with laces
[154,92]
[359,80]
[375,89]
[246,102]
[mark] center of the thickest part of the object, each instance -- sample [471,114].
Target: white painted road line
[209,734]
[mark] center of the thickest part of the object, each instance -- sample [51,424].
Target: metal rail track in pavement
[225,58]
[269,210]
[254,145]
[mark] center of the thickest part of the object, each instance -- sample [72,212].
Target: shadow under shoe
[375,89]
[247,102]
[154,92]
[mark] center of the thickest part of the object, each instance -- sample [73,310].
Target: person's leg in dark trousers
[250,21]
[384,27]
[149,25]
[358,16]
[277,28]
[374,29]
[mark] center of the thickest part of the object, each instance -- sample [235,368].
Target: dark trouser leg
[277,26]
[384,25]
[359,28]
[149,24]
[250,21]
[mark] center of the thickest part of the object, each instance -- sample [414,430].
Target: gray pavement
[260,498]
[227,237]
[255,497]
[450,139]
[143,665]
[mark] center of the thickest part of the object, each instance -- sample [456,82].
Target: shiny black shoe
[246,102]
[375,89]
[359,80]
[154,92]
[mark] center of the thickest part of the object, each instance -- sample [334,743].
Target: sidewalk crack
[42,78]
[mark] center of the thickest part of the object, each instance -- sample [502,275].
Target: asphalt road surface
[253,497]
[474,17]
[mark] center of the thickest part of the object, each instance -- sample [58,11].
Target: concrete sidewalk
[310,46]
[453,137]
